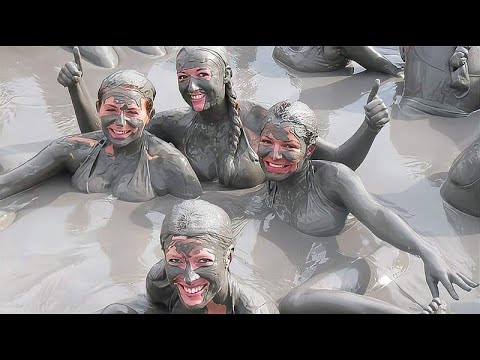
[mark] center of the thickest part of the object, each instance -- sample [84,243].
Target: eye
[290,146]
[132,113]
[203,74]
[205,261]
[174,261]
[111,110]
[266,141]
[182,77]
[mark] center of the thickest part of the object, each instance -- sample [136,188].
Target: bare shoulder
[159,149]
[253,114]
[87,139]
[170,117]
[333,175]
[464,170]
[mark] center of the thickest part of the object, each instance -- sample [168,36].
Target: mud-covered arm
[47,163]
[371,59]
[347,189]
[158,289]
[70,76]
[353,151]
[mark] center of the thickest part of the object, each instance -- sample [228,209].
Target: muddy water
[67,252]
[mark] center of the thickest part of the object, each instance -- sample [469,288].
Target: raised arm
[347,189]
[70,76]
[371,59]
[355,149]
[47,163]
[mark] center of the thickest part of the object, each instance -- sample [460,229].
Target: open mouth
[119,134]
[197,96]
[276,167]
[192,291]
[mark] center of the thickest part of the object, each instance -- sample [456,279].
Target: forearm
[392,229]
[84,109]
[355,149]
[34,171]
[371,59]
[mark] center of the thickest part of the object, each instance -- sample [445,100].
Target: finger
[455,279]
[433,286]
[373,104]
[72,68]
[78,57]
[428,309]
[374,90]
[433,305]
[382,121]
[472,283]
[448,285]
[438,301]
[379,107]
[62,79]
[381,115]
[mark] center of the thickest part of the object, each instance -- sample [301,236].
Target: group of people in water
[129,150]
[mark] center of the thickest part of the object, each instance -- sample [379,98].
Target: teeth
[193,290]
[119,132]
[276,165]
[197,97]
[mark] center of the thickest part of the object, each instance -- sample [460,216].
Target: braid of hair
[236,130]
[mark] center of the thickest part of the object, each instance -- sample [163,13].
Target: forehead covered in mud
[201,56]
[295,115]
[198,219]
[130,84]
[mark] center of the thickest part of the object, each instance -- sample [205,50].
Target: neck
[296,179]
[129,149]
[222,300]
[217,114]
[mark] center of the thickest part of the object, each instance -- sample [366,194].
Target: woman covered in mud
[194,276]
[218,133]
[315,197]
[330,58]
[121,159]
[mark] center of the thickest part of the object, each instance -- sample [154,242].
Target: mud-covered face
[195,270]
[281,152]
[201,79]
[123,114]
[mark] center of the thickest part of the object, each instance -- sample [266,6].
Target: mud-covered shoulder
[333,177]
[159,149]
[159,290]
[167,124]
[250,300]
[253,114]
[465,170]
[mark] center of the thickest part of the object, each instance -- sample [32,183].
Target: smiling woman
[194,276]
[315,197]
[122,159]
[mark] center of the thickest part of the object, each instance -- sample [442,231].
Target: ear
[97,105]
[310,149]
[228,258]
[228,74]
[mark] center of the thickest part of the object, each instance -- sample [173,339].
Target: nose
[192,86]
[276,152]
[190,275]
[120,121]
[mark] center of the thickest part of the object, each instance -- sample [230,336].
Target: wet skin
[195,272]
[295,195]
[202,132]
[124,117]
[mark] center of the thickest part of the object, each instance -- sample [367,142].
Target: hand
[459,57]
[71,72]
[437,306]
[376,114]
[437,270]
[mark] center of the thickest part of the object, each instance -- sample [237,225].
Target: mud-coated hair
[131,80]
[299,115]
[198,219]
[236,126]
